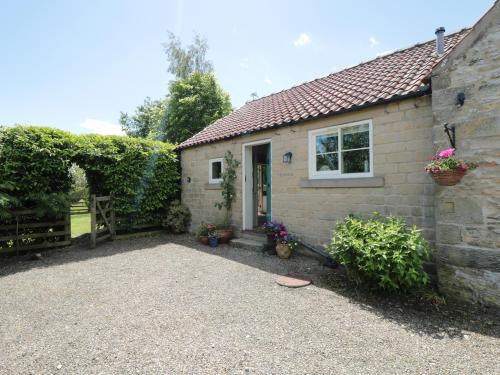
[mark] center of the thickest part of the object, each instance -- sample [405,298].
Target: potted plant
[286,243]
[272,229]
[213,241]
[203,233]
[228,196]
[446,170]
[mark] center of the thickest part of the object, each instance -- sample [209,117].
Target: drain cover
[293,281]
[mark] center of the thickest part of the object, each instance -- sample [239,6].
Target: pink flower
[282,233]
[447,153]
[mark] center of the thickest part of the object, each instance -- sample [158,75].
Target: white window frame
[212,180]
[312,134]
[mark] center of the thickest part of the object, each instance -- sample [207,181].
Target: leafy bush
[178,218]
[384,252]
[35,161]
[7,200]
[142,175]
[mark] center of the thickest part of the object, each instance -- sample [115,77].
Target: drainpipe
[329,261]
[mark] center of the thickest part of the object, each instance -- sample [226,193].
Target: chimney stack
[440,40]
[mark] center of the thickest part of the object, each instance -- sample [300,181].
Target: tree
[79,186]
[195,100]
[146,121]
[184,62]
[194,103]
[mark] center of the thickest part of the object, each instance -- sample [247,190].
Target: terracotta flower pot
[203,240]
[283,251]
[225,234]
[448,178]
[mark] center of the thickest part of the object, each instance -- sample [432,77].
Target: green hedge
[35,162]
[142,175]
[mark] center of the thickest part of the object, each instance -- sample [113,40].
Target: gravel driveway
[168,305]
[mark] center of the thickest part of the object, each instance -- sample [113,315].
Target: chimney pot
[440,40]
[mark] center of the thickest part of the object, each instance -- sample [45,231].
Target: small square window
[215,169]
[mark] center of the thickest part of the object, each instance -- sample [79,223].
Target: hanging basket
[448,178]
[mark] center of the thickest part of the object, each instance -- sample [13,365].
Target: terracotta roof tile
[398,74]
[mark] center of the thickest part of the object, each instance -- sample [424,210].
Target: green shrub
[381,252]
[7,200]
[178,218]
[142,175]
[35,161]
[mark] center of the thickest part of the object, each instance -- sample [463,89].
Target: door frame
[248,197]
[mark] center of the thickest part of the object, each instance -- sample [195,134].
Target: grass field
[80,224]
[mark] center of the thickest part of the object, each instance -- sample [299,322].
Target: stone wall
[402,136]
[468,214]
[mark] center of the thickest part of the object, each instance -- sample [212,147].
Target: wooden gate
[102,219]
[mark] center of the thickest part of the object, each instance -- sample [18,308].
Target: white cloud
[388,52]
[373,41]
[102,127]
[268,81]
[302,40]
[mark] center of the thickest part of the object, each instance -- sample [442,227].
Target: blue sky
[75,65]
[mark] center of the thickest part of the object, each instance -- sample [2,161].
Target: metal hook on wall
[450,132]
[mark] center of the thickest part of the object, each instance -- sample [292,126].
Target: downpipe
[328,260]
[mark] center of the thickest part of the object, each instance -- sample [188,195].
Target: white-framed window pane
[341,151]
[357,161]
[356,137]
[327,162]
[216,170]
[327,143]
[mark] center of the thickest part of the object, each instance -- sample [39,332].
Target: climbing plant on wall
[228,189]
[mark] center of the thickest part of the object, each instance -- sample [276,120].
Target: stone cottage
[357,141]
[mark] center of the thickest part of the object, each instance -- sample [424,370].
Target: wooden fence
[79,207]
[26,231]
[137,230]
